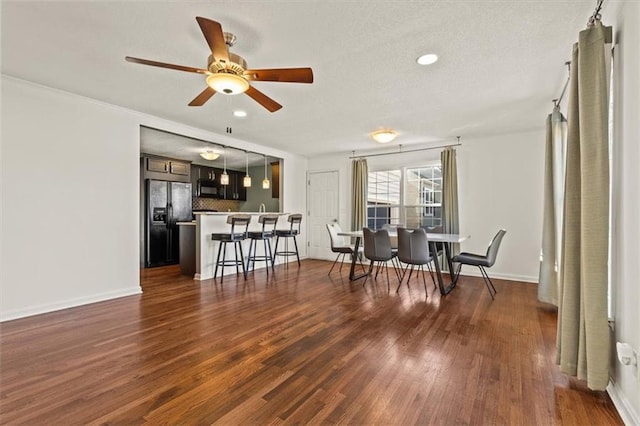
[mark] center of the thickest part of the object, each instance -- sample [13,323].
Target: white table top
[438,238]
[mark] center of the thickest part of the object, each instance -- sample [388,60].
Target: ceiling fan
[227,72]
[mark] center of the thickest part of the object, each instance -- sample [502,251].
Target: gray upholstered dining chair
[341,245]
[413,249]
[377,248]
[482,261]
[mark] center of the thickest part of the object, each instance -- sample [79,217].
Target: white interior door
[322,209]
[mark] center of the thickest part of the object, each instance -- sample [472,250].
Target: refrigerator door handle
[169,216]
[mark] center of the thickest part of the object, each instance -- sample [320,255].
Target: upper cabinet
[166,169]
[235,190]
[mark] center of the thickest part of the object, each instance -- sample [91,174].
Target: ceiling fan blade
[212,32]
[203,97]
[285,75]
[263,99]
[164,65]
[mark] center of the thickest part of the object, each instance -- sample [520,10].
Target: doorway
[322,208]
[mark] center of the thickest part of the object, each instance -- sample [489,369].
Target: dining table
[433,240]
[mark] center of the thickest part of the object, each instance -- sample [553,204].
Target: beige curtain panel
[583,333]
[359,179]
[450,221]
[554,170]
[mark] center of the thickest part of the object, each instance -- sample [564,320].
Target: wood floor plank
[294,347]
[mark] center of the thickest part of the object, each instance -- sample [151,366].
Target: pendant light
[246,182]
[224,177]
[265,183]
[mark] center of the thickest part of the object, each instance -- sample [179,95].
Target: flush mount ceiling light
[239,113]
[427,59]
[227,83]
[209,155]
[384,136]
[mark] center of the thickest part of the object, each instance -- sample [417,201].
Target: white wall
[499,184]
[70,197]
[625,267]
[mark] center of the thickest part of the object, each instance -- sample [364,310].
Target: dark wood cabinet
[235,190]
[166,169]
[211,178]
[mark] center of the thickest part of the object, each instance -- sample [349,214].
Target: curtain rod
[404,152]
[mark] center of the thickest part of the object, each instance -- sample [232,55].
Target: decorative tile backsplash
[215,204]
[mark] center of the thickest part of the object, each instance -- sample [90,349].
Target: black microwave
[207,189]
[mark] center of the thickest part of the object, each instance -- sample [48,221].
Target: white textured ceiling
[501,63]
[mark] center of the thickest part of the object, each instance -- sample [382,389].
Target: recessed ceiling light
[239,113]
[427,59]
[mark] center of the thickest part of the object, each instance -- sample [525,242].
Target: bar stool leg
[295,242]
[268,240]
[249,256]
[224,257]
[244,270]
[267,258]
[275,251]
[215,272]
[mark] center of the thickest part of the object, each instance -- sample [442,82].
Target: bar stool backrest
[295,220]
[239,220]
[268,222]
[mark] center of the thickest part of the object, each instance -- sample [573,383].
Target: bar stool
[294,229]
[268,222]
[236,236]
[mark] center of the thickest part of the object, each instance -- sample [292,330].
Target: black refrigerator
[166,203]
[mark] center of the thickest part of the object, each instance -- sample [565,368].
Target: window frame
[373,222]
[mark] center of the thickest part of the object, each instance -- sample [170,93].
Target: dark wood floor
[296,347]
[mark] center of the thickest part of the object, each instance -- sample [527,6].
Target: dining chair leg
[368,273]
[424,280]
[432,276]
[409,277]
[487,282]
[386,266]
[334,264]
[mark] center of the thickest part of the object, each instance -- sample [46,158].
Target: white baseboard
[629,416]
[65,304]
[499,276]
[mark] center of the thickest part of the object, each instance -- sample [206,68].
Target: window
[383,198]
[410,196]
[423,202]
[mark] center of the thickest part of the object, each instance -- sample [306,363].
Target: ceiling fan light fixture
[239,113]
[384,136]
[209,155]
[227,83]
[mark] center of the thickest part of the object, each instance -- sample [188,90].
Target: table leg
[443,290]
[354,260]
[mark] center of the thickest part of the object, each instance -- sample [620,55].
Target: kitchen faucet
[263,208]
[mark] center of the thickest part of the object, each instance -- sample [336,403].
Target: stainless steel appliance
[166,204]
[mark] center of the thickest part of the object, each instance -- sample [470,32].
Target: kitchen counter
[207,249]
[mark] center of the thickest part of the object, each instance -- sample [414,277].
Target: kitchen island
[206,249]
